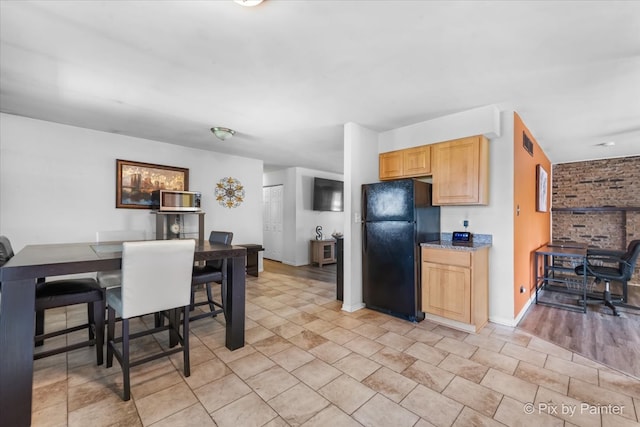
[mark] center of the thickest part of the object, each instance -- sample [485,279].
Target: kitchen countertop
[479,241]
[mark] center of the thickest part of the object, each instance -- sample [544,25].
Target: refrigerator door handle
[364,237]
[363,203]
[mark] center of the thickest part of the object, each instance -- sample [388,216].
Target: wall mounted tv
[328,195]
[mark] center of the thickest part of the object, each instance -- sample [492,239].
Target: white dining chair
[156,277]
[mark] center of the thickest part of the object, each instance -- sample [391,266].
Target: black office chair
[609,265]
[62,293]
[214,271]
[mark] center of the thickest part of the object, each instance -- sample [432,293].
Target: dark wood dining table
[17,302]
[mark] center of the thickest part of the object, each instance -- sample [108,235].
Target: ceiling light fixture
[223,133]
[248,3]
[607,144]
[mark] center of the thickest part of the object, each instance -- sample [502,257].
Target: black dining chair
[214,271]
[63,293]
[611,266]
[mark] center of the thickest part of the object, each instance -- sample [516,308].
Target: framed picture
[135,181]
[542,181]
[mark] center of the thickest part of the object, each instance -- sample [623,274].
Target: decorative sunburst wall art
[229,192]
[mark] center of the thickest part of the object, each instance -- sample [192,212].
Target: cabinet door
[390,165]
[460,172]
[446,291]
[329,252]
[416,161]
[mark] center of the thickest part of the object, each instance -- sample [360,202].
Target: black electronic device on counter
[462,238]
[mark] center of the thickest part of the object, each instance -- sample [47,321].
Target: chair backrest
[224,237]
[630,259]
[6,251]
[156,275]
[120,235]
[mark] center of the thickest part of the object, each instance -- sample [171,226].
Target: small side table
[323,252]
[252,258]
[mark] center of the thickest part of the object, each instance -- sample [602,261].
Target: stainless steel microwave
[176,201]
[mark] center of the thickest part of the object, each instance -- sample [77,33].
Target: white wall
[307,219]
[497,217]
[57,183]
[360,167]
[299,218]
[478,121]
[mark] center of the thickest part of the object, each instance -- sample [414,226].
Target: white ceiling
[286,75]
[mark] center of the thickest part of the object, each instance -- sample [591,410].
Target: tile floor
[307,363]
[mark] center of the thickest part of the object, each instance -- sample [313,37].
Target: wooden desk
[555,271]
[18,277]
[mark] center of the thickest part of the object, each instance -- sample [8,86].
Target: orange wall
[532,229]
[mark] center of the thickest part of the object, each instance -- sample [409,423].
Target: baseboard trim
[352,308]
[524,309]
[464,327]
[513,322]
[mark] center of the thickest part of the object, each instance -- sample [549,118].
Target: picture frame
[542,187]
[136,180]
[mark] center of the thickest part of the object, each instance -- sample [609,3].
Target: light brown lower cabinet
[455,287]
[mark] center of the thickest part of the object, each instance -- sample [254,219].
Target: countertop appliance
[176,201]
[396,217]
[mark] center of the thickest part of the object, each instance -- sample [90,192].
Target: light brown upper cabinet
[461,171]
[417,161]
[407,163]
[391,165]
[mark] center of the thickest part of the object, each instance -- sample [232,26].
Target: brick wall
[597,183]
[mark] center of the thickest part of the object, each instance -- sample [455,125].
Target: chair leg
[173,338]
[185,342]
[39,326]
[111,329]
[607,299]
[223,296]
[98,324]
[91,320]
[158,319]
[212,307]
[126,381]
[192,306]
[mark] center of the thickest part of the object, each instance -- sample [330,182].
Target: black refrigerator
[396,217]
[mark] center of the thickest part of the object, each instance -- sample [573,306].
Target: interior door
[272,206]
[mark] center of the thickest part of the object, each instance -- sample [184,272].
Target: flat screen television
[328,195]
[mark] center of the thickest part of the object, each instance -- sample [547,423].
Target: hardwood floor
[326,273]
[597,335]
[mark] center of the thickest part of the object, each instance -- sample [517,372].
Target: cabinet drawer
[444,256]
